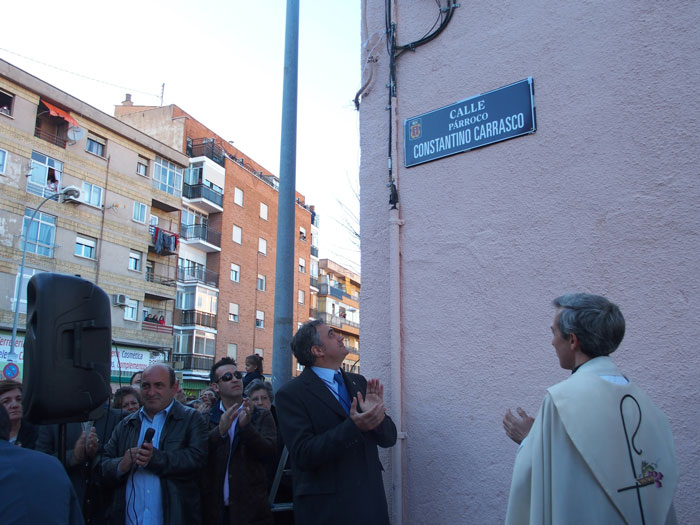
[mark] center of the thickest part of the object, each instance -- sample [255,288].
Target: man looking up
[599,450]
[157,482]
[332,422]
[241,441]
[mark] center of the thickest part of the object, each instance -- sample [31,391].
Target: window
[85,246]
[28,274]
[259,319]
[96,145]
[131,310]
[263,210]
[299,367]
[235,273]
[261,282]
[258,351]
[44,175]
[153,220]
[135,260]
[92,194]
[139,212]
[3,160]
[238,196]
[142,167]
[6,102]
[184,299]
[314,269]
[237,234]
[302,265]
[233,312]
[262,245]
[167,177]
[207,301]
[204,343]
[302,234]
[40,235]
[302,296]
[232,351]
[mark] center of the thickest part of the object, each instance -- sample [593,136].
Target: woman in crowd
[253,369]
[127,399]
[22,433]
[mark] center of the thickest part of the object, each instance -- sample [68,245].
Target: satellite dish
[75,133]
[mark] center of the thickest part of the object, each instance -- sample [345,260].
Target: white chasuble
[597,453]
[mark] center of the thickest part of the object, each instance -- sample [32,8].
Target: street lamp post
[69,192]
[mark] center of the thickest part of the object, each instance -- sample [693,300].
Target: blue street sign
[497,115]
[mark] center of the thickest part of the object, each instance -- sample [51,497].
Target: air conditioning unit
[119,299]
[76,194]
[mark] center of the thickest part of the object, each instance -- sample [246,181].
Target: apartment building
[339,307]
[121,232]
[226,268]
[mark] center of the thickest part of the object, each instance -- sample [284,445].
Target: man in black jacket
[84,451]
[241,441]
[332,423]
[157,481]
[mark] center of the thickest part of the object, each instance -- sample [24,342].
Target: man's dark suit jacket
[337,472]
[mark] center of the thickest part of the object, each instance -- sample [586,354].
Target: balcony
[50,137]
[193,362]
[163,242]
[314,251]
[164,289]
[202,237]
[198,275]
[156,327]
[203,197]
[194,318]
[336,320]
[206,148]
[313,281]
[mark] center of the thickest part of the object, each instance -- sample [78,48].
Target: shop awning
[57,112]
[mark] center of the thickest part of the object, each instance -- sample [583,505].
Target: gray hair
[597,323]
[257,384]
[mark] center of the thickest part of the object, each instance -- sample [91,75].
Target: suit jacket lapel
[317,387]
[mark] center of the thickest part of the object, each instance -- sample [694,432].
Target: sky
[221,61]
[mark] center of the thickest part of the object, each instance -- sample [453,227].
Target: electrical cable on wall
[395,51]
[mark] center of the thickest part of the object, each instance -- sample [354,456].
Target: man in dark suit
[332,422]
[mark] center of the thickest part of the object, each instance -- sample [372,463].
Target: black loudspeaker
[67,349]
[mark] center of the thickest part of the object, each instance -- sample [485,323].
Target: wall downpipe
[398,451]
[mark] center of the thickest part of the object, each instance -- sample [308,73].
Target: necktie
[343,396]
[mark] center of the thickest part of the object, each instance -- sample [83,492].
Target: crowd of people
[598,451]
[155,456]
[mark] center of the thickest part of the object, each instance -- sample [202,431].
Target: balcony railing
[206,148]
[156,327]
[201,232]
[336,320]
[200,191]
[200,275]
[160,279]
[50,137]
[314,251]
[194,317]
[313,281]
[194,362]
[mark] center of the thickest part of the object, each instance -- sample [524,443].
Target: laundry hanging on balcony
[57,112]
[164,241]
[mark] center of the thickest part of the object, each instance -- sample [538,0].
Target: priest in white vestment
[599,451]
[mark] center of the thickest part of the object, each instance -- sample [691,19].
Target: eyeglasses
[228,376]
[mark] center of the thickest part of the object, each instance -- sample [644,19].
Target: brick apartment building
[128,182]
[229,225]
[339,306]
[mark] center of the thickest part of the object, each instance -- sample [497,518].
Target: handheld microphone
[149,435]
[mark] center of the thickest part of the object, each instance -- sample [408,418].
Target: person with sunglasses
[242,438]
